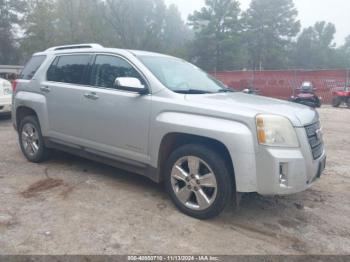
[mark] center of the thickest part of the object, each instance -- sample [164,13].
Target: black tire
[318,103]
[43,152]
[336,101]
[225,187]
[348,102]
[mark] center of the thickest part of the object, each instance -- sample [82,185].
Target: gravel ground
[69,205]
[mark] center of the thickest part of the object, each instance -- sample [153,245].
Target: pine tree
[217,35]
[270,28]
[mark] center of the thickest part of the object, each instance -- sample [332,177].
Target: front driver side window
[107,68]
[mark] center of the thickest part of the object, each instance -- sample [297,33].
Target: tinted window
[107,68]
[31,67]
[69,69]
[51,72]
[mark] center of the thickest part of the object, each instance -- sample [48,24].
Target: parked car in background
[341,96]
[164,118]
[5,96]
[307,96]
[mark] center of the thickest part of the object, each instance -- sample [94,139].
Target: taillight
[14,85]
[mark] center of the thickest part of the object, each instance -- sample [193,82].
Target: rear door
[64,90]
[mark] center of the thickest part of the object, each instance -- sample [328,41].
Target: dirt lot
[73,206]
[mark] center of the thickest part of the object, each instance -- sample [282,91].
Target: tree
[217,35]
[10,13]
[60,22]
[136,24]
[343,53]
[39,27]
[347,45]
[147,25]
[315,48]
[131,24]
[81,21]
[176,34]
[270,26]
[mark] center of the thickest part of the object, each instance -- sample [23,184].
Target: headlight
[276,131]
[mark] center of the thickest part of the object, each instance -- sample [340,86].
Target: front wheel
[198,181]
[31,140]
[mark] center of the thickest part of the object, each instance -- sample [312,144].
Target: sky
[310,11]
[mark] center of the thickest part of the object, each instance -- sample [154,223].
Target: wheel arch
[24,111]
[172,141]
[30,103]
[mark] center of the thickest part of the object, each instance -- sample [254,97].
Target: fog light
[284,174]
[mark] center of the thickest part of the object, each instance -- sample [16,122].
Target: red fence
[282,84]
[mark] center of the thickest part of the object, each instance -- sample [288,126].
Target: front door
[116,122]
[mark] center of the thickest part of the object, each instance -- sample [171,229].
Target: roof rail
[80,46]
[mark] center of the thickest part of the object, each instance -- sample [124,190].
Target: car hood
[251,105]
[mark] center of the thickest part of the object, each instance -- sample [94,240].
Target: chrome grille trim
[317,145]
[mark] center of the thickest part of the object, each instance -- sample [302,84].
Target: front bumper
[283,171]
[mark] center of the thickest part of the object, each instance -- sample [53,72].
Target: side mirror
[131,84]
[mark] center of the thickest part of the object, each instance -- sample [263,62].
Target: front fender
[236,136]
[36,102]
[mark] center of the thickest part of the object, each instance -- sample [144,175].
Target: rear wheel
[336,101]
[31,140]
[198,181]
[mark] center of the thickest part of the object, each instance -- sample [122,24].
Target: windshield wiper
[192,92]
[226,90]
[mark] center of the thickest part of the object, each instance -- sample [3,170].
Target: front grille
[316,143]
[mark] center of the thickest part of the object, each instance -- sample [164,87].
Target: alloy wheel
[30,139]
[194,183]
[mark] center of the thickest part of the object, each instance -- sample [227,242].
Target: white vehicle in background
[5,96]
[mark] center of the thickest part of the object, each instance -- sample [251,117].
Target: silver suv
[164,118]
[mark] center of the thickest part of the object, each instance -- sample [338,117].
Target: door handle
[92,96]
[45,89]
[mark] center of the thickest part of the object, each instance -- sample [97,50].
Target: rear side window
[69,69]
[31,67]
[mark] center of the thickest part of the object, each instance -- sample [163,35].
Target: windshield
[181,76]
